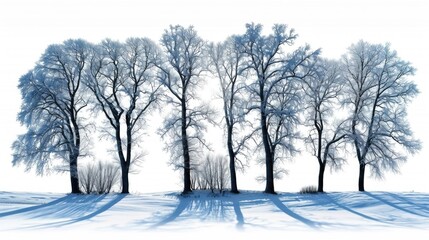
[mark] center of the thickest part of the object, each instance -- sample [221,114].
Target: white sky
[27,27]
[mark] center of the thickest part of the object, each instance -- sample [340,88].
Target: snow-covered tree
[229,67]
[123,79]
[53,99]
[181,75]
[275,90]
[322,98]
[379,89]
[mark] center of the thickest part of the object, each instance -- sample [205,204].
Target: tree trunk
[124,164]
[75,152]
[322,167]
[362,177]
[269,187]
[74,175]
[125,182]
[186,157]
[234,188]
[269,161]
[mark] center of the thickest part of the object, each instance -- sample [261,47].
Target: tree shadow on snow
[97,211]
[74,206]
[78,208]
[280,205]
[396,205]
[233,208]
[183,204]
[337,203]
[358,203]
[205,207]
[415,205]
[226,208]
[238,213]
[37,207]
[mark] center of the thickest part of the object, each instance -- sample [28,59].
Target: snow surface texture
[202,215]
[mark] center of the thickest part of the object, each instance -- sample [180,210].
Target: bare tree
[379,89]
[223,173]
[208,173]
[323,92]
[53,99]
[123,80]
[229,66]
[197,181]
[181,75]
[275,92]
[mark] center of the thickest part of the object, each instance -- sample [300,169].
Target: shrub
[211,173]
[98,178]
[308,190]
[87,178]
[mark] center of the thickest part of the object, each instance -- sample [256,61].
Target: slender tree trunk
[359,158]
[322,166]
[125,165]
[122,160]
[75,152]
[362,177]
[74,175]
[322,163]
[269,161]
[234,188]
[186,157]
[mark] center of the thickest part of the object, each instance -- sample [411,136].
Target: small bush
[211,173]
[87,175]
[98,178]
[308,190]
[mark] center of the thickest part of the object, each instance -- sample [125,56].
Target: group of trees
[274,95]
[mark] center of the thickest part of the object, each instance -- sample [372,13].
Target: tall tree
[53,99]
[322,95]
[181,75]
[123,80]
[379,89]
[275,90]
[229,66]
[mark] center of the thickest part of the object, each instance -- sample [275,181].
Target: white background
[27,27]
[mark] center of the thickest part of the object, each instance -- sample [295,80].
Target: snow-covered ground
[202,215]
